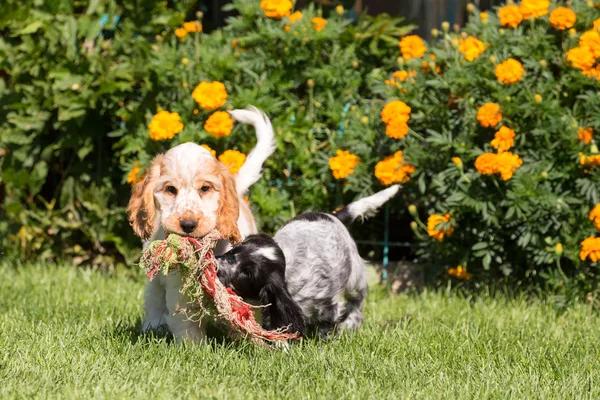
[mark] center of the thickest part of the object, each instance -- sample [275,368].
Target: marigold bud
[354,64]
[508,98]
[456,27]
[470,7]
[412,209]
[544,174]
[493,59]
[400,61]
[75,86]
[558,250]
[414,226]
[445,26]
[543,63]
[310,83]
[364,120]
[199,14]
[538,98]
[435,33]
[454,42]
[339,10]
[185,61]
[458,162]
[510,2]
[594,148]
[590,3]
[572,32]
[357,36]
[501,32]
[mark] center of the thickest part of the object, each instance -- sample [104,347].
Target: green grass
[66,332]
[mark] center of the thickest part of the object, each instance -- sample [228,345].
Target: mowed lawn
[67,332]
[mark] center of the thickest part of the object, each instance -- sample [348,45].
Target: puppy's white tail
[265,146]
[366,207]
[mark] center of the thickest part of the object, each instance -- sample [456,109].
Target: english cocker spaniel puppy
[189,192]
[309,276]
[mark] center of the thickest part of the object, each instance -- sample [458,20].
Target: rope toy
[195,260]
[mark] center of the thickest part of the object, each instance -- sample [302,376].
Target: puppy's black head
[255,269]
[251,265]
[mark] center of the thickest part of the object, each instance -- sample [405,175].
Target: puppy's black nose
[188,226]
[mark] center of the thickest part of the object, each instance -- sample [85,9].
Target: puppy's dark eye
[204,189]
[171,189]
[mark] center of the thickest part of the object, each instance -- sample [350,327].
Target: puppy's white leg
[179,325]
[154,305]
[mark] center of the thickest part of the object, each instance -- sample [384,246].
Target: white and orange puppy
[189,192]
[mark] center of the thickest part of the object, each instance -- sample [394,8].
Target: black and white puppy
[309,276]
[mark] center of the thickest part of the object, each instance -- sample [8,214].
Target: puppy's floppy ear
[282,310]
[141,208]
[229,208]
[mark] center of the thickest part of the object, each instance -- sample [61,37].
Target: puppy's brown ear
[141,208]
[229,209]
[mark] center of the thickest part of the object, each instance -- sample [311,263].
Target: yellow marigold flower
[295,17]
[219,124]
[342,165]
[581,58]
[132,178]
[395,110]
[180,33]
[489,115]
[233,159]
[393,169]
[210,95]
[435,230]
[412,46]
[192,26]
[534,8]
[509,71]
[591,40]
[585,135]
[505,164]
[483,16]
[276,8]
[396,129]
[319,23]
[595,216]
[589,161]
[164,125]
[459,272]
[471,47]
[590,247]
[562,18]
[211,151]
[510,16]
[402,76]
[504,139]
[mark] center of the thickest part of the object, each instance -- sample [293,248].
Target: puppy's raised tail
[367,206]
[265,146]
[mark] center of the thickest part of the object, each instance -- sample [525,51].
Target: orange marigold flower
[396,129]
[395,110]
[593,72]
[295,17]
[342,165]
[489,115]
[133,178]
[595,216]
[180,33]
[459,272]
[165,125]
[581,58]
[510,16]
[211,151]
[562,18]
[589,161]
[192,26]
[597,24]
[591,40]
[509,71]
[505,164]
[276,8]
[318,23]
[585,135]
[219,124]
[534,8]
[504,139]
[590,247]
[438,226]
[393,169]
[233,159]
[210,95]
[471,47]
[412,46]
